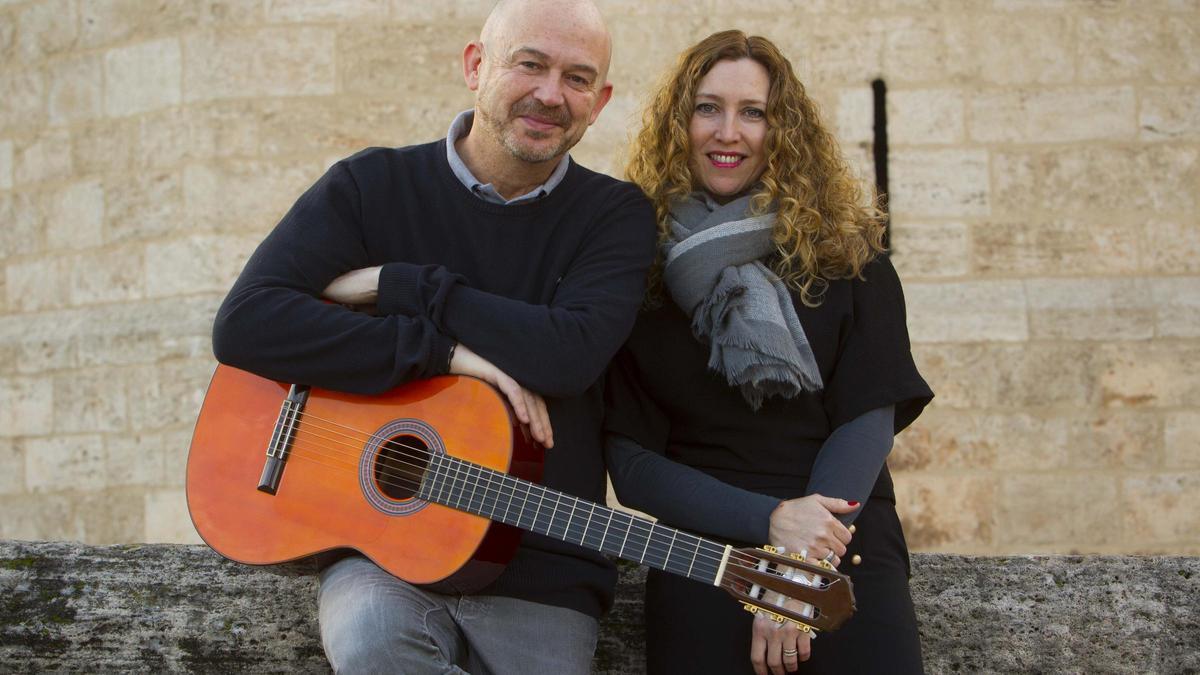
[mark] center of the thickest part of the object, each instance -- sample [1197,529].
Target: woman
[757,398]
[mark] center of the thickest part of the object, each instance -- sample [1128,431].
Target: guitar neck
[502,498]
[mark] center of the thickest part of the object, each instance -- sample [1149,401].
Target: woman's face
[729,127]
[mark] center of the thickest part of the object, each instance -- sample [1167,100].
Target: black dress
[661,394]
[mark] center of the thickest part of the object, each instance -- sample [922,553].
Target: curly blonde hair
[824,229]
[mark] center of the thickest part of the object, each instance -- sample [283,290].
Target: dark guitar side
[320,504]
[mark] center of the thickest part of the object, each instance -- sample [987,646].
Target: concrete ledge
[165,608]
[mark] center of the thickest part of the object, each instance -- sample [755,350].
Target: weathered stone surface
[6,165]
[974,311]
[142,77]
[939,183]
[922,249]
[75,91]
[925,116]
[182,608]
[1170,112]
[1057,115]
[258,62]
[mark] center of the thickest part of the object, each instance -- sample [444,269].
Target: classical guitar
[434,481]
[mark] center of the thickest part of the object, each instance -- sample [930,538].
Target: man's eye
[579,81]
[532,66]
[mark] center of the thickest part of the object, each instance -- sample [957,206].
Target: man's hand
[529,407]
[356,287]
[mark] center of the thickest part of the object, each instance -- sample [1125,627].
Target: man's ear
[472,60]
[602,98]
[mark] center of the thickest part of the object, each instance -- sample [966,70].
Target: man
[491,254]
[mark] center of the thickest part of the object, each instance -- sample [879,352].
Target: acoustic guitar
[433,481]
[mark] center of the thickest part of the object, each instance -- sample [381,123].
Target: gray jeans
[372,622]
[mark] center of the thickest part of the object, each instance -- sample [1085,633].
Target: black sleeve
[685,497]
[274,323]
[557,349]
[629,410]
[875,368]
[850,459]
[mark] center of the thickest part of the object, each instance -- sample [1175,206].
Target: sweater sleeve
[274,323]
[850,459]
[559,348]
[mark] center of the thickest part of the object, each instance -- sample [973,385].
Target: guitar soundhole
[400,465]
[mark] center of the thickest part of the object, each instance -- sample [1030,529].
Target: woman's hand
[529,407]
[356,287]
[808,524]
[778,647]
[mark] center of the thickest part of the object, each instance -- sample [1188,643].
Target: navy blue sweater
[546,290]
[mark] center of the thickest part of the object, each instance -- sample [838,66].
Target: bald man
[488,253]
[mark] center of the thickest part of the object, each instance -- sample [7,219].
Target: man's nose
[549,91]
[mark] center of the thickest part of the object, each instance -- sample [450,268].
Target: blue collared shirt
[459,128]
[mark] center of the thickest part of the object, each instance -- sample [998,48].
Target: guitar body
[350,473]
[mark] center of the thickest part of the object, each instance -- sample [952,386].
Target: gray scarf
[737,304]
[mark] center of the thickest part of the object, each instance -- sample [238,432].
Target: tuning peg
[853,529]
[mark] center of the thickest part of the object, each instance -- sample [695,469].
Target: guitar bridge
[282,438]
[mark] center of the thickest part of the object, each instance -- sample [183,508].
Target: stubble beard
[510,136]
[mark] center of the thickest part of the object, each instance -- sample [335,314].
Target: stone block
[113,516]
[75,216]
[65,463]
[372,62]
[144,205]
[153,459]
[52,516]
[1181,440]
[75,92]
[1061,247]
[1162,507]
[1140,47]
[37,284]
[24,218]
[855,118]
[143,77]
[246,63]
[947,512]
[195,263]
[149,331]
[90,401]
[45,28]
[967,311]
[244,196]
[106,22]
[1157,374]
[848,51]
[1115,439]
[309,127]
[473,12]
[1171,247]
[12,468]
[167,519]
[168,395]
[1176,303]
[930,249]
[1101,180]
[8,35]
[324,11]
[21,98]
[46,353]
[104,146]
[977,440]
[1012,375]
[921,47]
[950,183]
[1058,115]
[200,132]
[1090,308]
[42,157]
[1018,49]
[1169,113]
[925,116]
[6,165]
[1038,512]
[113,275]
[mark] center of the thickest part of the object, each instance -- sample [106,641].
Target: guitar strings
[737,557]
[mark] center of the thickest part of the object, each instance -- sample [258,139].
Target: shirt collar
[459,128]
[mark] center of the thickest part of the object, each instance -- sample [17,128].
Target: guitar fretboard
[497,496]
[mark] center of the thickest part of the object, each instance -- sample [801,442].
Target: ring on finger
[791,652]
[829,556]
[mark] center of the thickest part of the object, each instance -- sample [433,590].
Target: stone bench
[166,608]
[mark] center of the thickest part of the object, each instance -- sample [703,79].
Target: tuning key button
[853,529]
[856,559]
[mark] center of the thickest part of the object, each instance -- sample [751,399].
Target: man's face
[538,90]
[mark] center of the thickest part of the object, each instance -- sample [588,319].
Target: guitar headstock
[813,595]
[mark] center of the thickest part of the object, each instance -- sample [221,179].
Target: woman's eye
[756,114]
[706,108]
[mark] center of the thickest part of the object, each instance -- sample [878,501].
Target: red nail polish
[852,503]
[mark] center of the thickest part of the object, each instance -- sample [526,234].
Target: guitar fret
[587,524]
[604,535]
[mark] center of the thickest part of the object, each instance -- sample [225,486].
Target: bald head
[514,21]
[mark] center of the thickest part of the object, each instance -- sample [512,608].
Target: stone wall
[1045,164]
